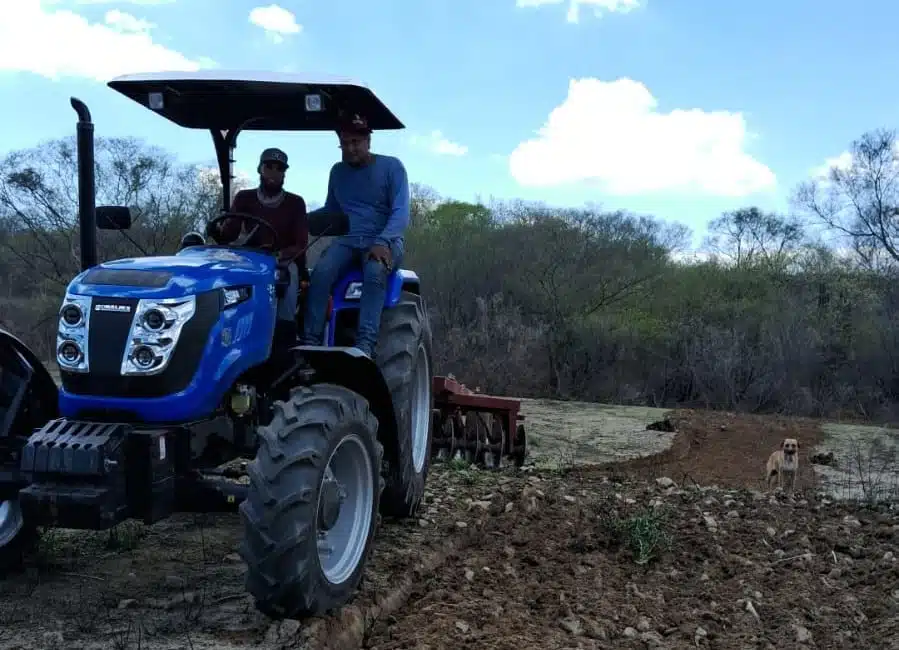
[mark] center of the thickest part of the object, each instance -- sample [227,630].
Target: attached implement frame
[476,428]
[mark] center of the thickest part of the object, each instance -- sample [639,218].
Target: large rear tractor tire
[312,505]
[404,357]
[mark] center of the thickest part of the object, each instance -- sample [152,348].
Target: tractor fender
[21,363]
[351,368]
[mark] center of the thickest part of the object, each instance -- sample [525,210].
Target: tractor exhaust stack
[87,210]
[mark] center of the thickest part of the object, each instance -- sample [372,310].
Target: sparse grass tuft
[644,533]
[126,536]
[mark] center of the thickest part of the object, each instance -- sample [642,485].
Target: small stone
[802,634]
[665,482]
[469,575]
[463,627]
[630,632]
[127,603]
[733,514]
[509,506]
[281,632]
[569,498]
[461,524]
[174,582]
[423,523]
[289,627]
[643,624]
[573,625]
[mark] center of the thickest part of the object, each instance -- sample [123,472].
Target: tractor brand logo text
[116,308]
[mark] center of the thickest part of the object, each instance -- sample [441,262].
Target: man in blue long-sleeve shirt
[373,191]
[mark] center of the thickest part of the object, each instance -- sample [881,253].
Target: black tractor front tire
[404,358]
[15,547]
[281,514]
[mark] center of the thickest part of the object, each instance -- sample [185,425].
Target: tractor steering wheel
[243,239]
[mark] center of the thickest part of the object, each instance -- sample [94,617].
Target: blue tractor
[169,373]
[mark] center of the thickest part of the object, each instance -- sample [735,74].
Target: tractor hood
[192,271]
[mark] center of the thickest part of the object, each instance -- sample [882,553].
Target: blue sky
[680,109]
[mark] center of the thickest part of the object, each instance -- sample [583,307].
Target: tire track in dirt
[348,629]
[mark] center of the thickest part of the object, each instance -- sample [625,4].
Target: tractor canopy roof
[256,101]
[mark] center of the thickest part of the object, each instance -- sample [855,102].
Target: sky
[678,108]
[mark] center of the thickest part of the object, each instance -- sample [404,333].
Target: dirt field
[641,553]
[563,433]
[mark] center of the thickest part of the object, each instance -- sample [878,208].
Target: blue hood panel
[192,271]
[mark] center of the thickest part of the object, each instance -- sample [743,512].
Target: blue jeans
[341,256]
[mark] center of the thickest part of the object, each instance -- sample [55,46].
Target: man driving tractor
[373,191]
[286,213]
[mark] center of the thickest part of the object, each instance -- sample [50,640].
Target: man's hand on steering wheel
[214,226]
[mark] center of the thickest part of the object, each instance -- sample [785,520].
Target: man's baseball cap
[352,123]
[274,155]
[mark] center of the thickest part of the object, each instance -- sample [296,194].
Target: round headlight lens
[69,352]
[71,315]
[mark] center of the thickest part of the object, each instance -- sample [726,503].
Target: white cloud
[611,134]
[276,21]
[842,162]
[126,22]
[437,143]
[574,6]
[77,48]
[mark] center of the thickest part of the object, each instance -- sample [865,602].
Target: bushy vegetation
[567,303]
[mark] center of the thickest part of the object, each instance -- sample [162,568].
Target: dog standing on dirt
[783,464]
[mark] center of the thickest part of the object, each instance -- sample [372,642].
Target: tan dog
[784,464]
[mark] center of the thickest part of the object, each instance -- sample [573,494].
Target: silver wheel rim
[340,548]
[10,521]
[421,409]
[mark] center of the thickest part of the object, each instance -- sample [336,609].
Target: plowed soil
[640,554]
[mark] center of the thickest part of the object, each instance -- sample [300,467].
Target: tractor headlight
[353,291]
[155,331]
[71,333]
[234,296]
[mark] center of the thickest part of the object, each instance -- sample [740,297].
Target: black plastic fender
[351,368]
[30,387]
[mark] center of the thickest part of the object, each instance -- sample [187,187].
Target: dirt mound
[725,449]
